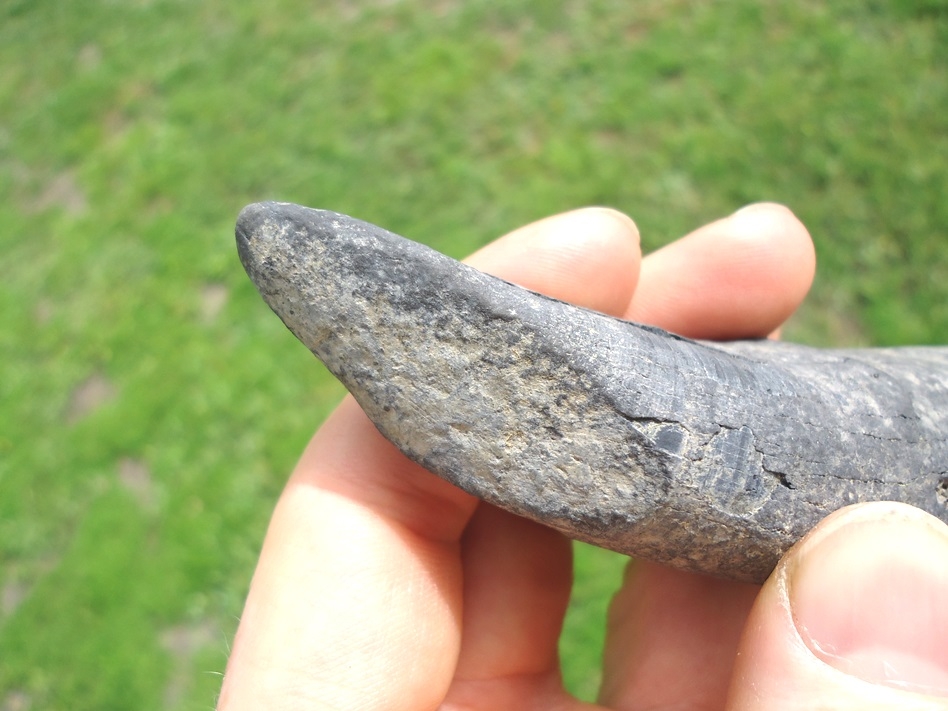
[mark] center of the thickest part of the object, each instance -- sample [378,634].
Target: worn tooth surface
[708,457]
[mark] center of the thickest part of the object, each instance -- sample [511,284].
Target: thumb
[854,617]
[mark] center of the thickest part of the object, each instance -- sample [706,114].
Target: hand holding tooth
[708,457]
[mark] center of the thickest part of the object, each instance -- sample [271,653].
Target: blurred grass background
[151,406]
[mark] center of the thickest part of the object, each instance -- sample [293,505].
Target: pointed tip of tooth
[256,214]
[277,230]
[252,214]
[250,226]
[256,220]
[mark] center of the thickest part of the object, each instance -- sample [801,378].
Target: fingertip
[766,207]
[780,245]
[671,638]
[868,596]
[739,277]
[589,257]
[852,618]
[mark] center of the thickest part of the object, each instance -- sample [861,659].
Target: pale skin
[381,587]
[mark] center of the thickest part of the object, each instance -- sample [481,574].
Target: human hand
[382,587]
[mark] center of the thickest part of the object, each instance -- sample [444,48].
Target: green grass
[151,406]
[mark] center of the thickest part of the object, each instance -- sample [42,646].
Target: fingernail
[868,592]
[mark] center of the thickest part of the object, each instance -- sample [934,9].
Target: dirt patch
[43,311]
[11,595]
[62,192]
[91,394]
[135,477]
[183,642]
[89,57]
[213,300]
[16,701]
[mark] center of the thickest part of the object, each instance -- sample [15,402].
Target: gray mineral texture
[710,457]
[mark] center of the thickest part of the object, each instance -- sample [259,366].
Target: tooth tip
[254,217]
[249,226]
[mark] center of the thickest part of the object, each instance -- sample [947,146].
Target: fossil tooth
[710,457]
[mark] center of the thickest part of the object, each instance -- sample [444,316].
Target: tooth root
[708,457]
